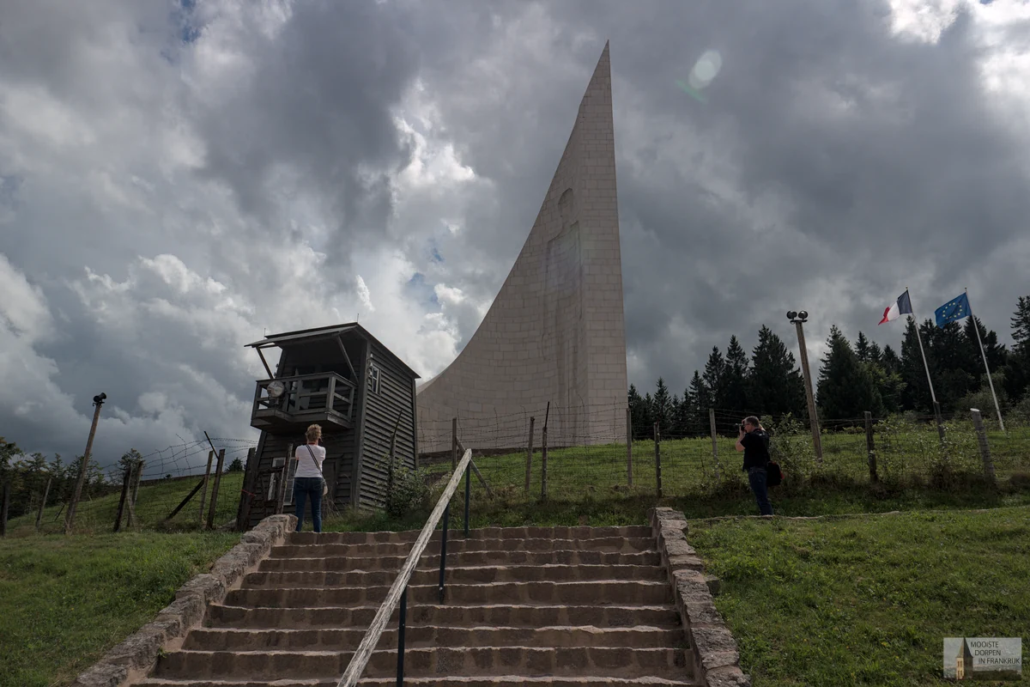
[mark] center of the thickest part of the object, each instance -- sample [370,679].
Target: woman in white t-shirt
[307,481]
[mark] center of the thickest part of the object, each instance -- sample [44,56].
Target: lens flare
[704,72]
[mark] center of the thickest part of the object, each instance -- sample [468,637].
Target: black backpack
[773,474]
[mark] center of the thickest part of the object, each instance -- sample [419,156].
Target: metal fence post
[529,454]
[715,442]
[443,546]
[401,625]
[985,449]
[629,446]
[658,459]
[870,446]
[468,496]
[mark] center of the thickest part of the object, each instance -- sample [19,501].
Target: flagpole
[926,366]
[976,327]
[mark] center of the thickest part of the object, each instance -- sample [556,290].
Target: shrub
[409,493]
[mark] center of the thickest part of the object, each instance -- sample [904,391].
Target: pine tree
[1017,370]
[862,349]
[889,361]
[700,402]
[846,390]
[647,429]
[638,413]
[1021,323]
[875,354]
[733,388]
[661,407]
[715,369]
[916,395]
[676,417]
[954,372]
[775,386]
[997,354]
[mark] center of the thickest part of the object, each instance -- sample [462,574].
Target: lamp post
[69,519]
[799,319]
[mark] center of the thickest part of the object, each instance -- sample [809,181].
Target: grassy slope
[867,600]
[154,503]
[64,601]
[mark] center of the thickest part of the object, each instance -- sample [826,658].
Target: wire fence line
[904,450]
[170,488]
[166,490]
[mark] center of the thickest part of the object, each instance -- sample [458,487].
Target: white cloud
[363,294]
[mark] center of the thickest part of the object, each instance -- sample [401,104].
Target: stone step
[457,575]
[482,533]
[429,636]
[439,662]
[575,593]
[458,544]
[492,681]
[666,616]
[461,558]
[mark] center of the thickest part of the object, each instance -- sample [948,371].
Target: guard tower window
[373,379]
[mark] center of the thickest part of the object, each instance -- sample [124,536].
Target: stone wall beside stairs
[715,650]
[130,661]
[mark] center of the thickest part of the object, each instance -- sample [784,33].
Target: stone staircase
[555,606]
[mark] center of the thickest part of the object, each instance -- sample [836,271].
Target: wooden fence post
[529,454]
[203,490]
[629,446]
[134,480]
[715,442]
[214,490]
[243,509]
[870,446]
[42,504]
[543,455]
[658,459]
[126,479]
[985,449]
[5,500]
[280,499]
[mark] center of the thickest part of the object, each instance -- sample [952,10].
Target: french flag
[902,306]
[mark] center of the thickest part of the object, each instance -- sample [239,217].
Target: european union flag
[954,309]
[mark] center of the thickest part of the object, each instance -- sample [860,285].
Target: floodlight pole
[813,415]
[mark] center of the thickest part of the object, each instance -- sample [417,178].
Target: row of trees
[853,378]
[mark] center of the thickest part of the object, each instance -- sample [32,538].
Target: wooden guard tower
[363,396]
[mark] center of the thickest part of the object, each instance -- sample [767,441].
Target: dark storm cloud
[833,164]
[319,103]
[886,159]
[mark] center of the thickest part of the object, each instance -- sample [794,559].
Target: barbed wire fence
[587,455]
[172,488]
[899,451]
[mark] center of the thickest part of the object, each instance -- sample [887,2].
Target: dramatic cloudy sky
[178,178]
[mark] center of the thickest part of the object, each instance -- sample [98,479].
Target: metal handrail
[398,593]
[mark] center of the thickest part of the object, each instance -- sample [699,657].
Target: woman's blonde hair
[314,432]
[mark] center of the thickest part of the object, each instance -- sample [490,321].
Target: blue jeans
[756,477]
[304,488]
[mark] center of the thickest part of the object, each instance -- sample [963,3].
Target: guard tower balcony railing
[285,404]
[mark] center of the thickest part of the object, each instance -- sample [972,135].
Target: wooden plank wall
[394,397]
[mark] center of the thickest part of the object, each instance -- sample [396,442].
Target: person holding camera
[753,440]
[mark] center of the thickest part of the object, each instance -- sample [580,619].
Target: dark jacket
[756,449]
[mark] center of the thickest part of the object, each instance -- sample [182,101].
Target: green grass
[867,600]
[154,503]
[64,601]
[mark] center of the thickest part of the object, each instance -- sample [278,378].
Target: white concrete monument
[556,331]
